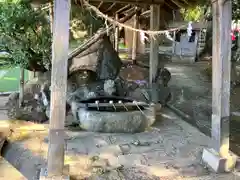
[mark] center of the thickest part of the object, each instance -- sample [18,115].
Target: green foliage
[83,20]
[25,35]
[235,10]
[192,13]
[195,13]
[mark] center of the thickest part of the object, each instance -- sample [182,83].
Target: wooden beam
[95,38]
[171,7]
[100,4]
[179,5]
[58,87]
[116,41]
[51,16]
[123,9]
[110,7]
[134,1]
[135,38]
[154,50]
[221,71]
[146,12]
[129,10]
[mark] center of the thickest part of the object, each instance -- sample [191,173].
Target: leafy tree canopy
[25,35]
[204,7]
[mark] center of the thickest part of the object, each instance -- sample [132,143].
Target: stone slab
[218,163]
[7,171]
[43,175]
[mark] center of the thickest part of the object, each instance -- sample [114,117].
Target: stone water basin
[115,115]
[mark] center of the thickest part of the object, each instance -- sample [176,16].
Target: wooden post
[221,71]
[154,49]
[58,87]
[51,15]
[31,75]
[135,39]
[174,43]
[116,41]
[21,87]
[91,29]
[218,157]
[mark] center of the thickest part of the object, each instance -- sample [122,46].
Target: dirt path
[171,150]
[192,94]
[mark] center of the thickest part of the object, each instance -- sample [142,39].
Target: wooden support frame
[98,35]
[58,87]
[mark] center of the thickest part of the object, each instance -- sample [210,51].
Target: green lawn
[9,79]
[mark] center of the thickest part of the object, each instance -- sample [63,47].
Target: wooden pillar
[21,87]
[91,29]
[174,43]
[58,87]
[31,75]
[154,49]
[51,15]
[129,40]
[135,38]
[116,41]
[221,71]
[218,157]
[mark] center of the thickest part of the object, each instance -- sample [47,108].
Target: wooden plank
[221,63]
[154,48]
[58,87]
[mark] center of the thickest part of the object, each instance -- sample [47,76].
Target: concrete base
[218,163]
[44,176]
[183,59]
[238,165]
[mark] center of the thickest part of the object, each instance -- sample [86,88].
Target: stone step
[7,171]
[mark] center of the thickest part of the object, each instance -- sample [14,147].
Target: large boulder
[100,58]
[116,122]
[32,109]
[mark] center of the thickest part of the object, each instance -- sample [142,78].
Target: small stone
[131,160]
[125,148]
[112,150]
[100,163]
